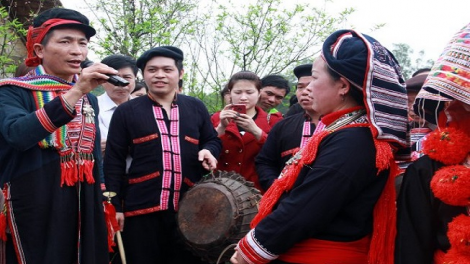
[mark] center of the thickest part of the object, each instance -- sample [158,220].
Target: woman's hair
[224,91]
[22,70]
[247,76]
[355,93]
[140,85]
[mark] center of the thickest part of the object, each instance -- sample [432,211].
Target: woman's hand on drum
[237,258]
[120,220]
[209,162]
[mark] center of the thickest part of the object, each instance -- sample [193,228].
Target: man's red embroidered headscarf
[51,19]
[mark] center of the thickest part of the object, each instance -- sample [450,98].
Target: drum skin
[216,213]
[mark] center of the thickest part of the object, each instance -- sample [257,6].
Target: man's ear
[181,74]
[38,50]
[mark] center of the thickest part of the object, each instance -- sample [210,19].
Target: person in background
[225,95]
[288,135]
[180,86]
[22,69]
[115,95]
[413,85]
[242,133]
[172,144]
[293,100]
[139,90]
[433,219]
[273,90]
[334,201]
[304,77]
[419,127]
[50,148]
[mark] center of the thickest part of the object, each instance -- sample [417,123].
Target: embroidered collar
[39,80]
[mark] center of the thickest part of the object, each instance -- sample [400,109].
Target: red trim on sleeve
[144,178]
[143,211]
[188,182]
[145,139]
[192,140]
[252,251]
[45,120]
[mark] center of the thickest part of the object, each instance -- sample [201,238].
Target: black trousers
[153,239]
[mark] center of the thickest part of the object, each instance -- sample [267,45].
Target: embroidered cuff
[45,120]
[252,251]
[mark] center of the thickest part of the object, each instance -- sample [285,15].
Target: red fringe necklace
[381,248]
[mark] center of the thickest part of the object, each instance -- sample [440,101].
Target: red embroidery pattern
[188,182]
[13,226]
[145,139]
[192,140]
[144,178]
[289,152]
[171,155]
[45,121]
[143,211]
[306,133]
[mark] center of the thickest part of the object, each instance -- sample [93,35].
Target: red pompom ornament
[459,234]
[451,184]
[449,145]
[454,257]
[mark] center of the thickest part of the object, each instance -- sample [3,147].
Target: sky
[422,24]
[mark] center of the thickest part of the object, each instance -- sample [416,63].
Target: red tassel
[68,171]
[384,229]
[70,174]
[3,218]
[111,224]
[88,171]
[3,227]
[63,171]
[80,167]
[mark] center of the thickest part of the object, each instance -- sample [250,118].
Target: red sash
[316,251]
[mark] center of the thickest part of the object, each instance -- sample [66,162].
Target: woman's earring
[342,97]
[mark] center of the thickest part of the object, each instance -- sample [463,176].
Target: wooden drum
[216,212]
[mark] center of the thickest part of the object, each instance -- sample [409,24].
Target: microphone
[113,79]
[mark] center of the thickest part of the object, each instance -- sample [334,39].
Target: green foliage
[408,61]
[98,91]
[265,37]
[132,26]
[10,32]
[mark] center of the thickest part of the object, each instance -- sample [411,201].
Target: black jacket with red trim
[134,135]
